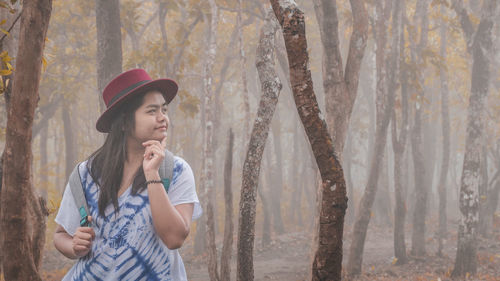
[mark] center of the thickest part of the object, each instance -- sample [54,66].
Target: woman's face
[151,119]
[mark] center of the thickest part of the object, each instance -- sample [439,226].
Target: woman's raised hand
[153,155]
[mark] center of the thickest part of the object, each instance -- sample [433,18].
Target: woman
[136,227]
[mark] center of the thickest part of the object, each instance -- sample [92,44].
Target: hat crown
[124,83]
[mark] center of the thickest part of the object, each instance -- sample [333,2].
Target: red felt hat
[127,84]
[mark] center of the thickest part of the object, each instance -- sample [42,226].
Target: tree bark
[445,119]
[109,43]
[384,104]
[208,159]
[327,263]
[17,190]
[243,63]
[271,86]
[225,265]
[482,46]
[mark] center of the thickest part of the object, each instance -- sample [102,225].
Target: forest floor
[288,258]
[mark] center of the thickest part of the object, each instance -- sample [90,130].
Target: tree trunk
[445,119]
[70,142]
[277,176]
[243,63]
[384,104]
[340,90]
[17,187]
[271,86]
[399,141]
[420,170]
[109,43]
[327,263]
[483,191]
[482,46]
[225,265]
[44,181]
[208,159]
[264,195]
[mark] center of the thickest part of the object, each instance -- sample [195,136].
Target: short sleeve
[68,216]
[183,189]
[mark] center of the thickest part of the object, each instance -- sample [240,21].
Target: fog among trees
[329,140]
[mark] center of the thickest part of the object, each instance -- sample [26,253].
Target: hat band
[126,90]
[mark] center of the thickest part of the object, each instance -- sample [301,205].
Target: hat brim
[166,86]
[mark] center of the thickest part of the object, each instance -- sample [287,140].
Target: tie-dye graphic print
[126,246]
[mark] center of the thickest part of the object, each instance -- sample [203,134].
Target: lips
[162,127]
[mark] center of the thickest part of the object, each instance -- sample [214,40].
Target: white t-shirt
[126,246]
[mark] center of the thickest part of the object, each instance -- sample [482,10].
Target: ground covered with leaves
[288,258]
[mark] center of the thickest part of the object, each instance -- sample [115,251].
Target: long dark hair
[106,163]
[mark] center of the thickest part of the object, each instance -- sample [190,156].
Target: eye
[164,110]
[152,111]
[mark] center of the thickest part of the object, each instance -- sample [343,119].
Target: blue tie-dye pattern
[113,248]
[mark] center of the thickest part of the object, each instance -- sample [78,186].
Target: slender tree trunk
[340,89]
[208,169]
[420,170]
[327,263]
[384,104]
[399,141]
[17,243]
[445,119]
[271,86]
[109,43]
[225,265]
[44,181]
[243,63]
[277,175]
[70,142]
[483,191]
[482,45]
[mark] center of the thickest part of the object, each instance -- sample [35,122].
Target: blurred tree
[109,43]
[421,171]
[225,259]
[445,120]
[20,208]
[384,104]
[399,139]
[480,45]
[207,178]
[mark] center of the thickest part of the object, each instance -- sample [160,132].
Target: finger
[84,236]
[82,242]
[150,142]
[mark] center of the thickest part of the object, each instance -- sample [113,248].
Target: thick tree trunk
[264,195]
[225,259]
[327,263]
[483,192]
[482,46]
[208,169]
[399,141]
[17,190]
[445,119]
[109,43]
[271,86]
[340,90]
[384,104]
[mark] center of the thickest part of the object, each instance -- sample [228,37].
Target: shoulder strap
[166,169]
[76,187]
